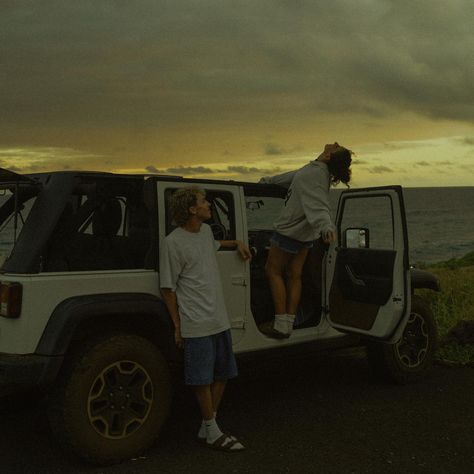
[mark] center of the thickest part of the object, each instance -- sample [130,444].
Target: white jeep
[81,315]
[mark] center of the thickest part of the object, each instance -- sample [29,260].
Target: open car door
[367,278]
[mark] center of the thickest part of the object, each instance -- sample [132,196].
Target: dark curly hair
[339,166]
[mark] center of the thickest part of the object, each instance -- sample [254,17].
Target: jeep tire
[112,399]
[411,358]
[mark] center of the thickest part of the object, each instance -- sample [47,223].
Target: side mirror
[356,238]
[254,205]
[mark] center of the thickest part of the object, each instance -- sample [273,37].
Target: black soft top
[250,188]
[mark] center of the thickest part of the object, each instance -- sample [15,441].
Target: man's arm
[172,304]
[239,245]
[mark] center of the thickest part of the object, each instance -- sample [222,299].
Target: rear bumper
[20,372]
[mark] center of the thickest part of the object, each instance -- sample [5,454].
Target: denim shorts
[288,244]
[209,358]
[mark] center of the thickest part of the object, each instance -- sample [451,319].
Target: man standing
[192,290]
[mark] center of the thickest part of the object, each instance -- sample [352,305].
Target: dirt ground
[318,414]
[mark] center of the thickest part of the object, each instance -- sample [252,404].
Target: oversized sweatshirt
[306,213]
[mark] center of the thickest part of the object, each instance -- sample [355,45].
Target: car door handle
[238,280]
[353,278]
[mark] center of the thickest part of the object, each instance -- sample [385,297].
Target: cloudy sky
[239,89]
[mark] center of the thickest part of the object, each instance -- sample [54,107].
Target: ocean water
[440,221]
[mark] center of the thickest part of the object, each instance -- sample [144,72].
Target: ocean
[440,221]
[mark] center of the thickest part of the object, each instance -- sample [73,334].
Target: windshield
[16,202]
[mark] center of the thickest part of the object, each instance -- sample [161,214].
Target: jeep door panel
[367,288]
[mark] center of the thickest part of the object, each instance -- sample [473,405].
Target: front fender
[424,279]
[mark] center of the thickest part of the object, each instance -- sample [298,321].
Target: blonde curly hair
[180,202]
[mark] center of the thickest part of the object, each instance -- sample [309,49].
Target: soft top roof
[7,176]
[256,189]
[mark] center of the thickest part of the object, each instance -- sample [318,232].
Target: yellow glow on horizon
[410,150]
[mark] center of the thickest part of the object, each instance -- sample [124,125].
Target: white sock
[213,431]
[290,318]
[202,429]
[281,323]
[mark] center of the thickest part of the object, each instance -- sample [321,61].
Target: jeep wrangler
[81,315]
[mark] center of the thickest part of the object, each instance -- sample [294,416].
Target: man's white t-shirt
[188,266]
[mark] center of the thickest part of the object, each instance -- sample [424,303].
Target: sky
[234,89]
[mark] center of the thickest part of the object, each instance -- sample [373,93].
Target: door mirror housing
[356,238]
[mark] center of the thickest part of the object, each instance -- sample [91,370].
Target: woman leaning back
[304,218]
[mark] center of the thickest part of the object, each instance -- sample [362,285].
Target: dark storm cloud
[422,163]
[190,170]
[272,149]
[243,169]
[253,170]
[153,169]
[380,170]
[157,63]
[469,141]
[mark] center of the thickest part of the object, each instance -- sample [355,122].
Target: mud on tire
[112,400]
[412,357]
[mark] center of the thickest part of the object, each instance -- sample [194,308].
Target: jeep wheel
[112,400]
[412,357]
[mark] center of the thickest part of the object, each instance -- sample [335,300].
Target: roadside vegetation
[453,304]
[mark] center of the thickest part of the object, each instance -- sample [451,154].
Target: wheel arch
[423,279]
[77,318]
[385,360]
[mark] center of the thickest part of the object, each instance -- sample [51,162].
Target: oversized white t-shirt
[188,266]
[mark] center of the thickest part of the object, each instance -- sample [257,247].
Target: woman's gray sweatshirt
[306,214]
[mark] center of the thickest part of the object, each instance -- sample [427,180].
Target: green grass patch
[456,353]
[455,302]
[453,263]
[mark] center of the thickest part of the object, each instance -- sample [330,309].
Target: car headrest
[107,218]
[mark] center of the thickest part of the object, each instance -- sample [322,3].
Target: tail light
[10,299]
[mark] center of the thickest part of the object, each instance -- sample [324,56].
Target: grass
[454,263]
[455,302]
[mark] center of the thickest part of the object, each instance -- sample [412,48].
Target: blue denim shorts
[288,244]
[209,358]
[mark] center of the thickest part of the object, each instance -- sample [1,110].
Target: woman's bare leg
[277,261]
[293,282]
